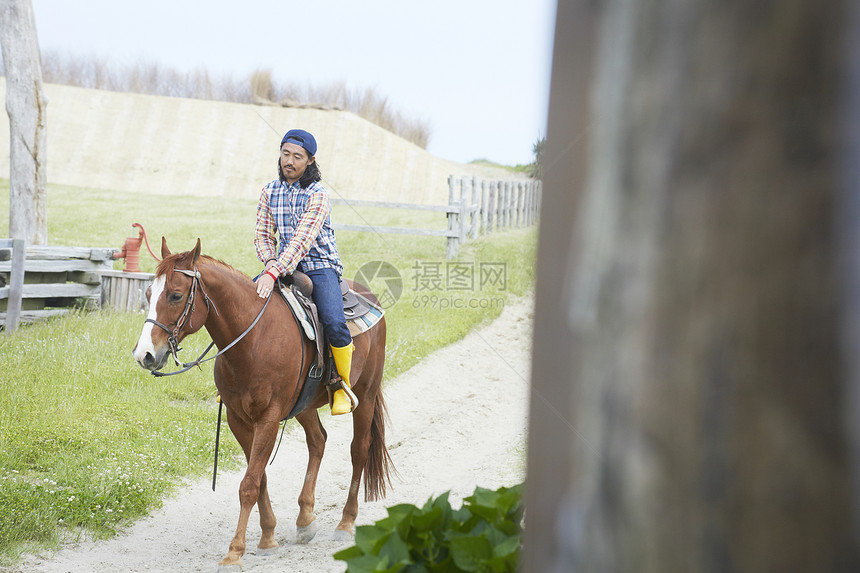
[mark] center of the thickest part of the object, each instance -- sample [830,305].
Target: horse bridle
[185,318]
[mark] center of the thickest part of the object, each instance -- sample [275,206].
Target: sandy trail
[458,420]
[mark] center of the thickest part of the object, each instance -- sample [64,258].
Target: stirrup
[337,384]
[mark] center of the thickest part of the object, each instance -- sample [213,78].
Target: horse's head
[174,312]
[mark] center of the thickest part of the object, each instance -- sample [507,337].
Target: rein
[184,318]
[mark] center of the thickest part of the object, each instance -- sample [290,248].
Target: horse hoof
[267,551]
[341,535]
[305,534]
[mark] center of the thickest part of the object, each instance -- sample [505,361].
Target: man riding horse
[296,208]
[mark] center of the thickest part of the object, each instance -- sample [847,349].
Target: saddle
[361,315]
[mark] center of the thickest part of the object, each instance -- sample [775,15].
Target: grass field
[90,441]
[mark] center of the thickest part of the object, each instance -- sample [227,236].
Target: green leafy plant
[483,536]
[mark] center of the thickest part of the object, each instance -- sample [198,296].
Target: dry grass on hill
[259,88]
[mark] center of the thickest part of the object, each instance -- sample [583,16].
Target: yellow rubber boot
[344,400]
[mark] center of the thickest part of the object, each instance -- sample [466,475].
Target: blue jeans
[329,303]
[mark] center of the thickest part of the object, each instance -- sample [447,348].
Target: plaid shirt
[301,218]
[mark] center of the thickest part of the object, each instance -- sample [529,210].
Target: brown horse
[259,378]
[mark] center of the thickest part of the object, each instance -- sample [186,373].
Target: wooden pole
[474,209]
[491,206]
[514,189]
[518,188]
[507,206]
[16,284]
[527,213]
[464,203]
[452,244]
[521,204]
[531,211]
[697,240]
[26,105]
[483,205]
[500,206]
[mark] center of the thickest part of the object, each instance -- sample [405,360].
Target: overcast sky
[477,72]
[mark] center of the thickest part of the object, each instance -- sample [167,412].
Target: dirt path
[458,420]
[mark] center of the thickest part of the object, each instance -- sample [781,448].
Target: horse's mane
[183,261]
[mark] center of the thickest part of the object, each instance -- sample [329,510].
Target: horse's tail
[379,467]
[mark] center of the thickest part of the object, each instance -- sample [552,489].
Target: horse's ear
[165,252]
[196,254]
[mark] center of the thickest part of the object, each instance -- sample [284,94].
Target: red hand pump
[131,250]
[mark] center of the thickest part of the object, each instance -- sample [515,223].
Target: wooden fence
[475,206]
[487,206]
[38,282]
[46,281]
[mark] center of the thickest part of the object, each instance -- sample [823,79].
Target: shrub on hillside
[535,168]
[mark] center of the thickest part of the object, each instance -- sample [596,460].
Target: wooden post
[474,208]
[507,205]
[518,202]
[463,210]
[26,105]
[531,203]
[16,284]
[525,203]
[491,206]
[483,205]
[532,187]
[710,272]
[452,245]
[515,207]
[500,207]
[104,295]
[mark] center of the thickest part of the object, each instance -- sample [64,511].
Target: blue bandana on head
[302,138]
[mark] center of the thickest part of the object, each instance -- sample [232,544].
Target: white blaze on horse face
[144,343]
